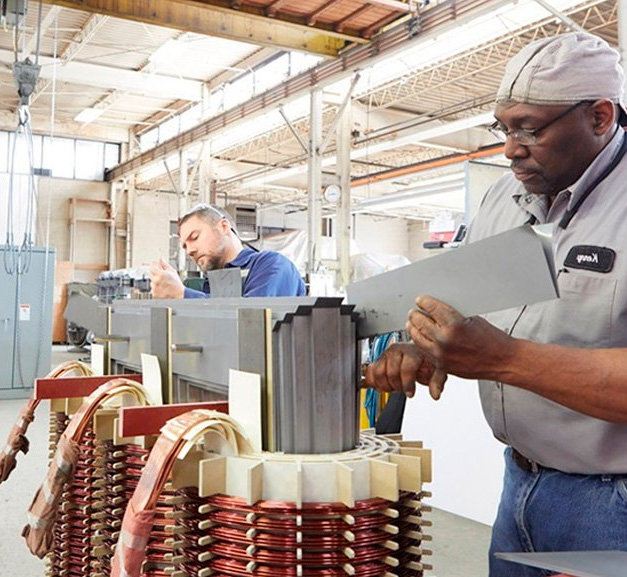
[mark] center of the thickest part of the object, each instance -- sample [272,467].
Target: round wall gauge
[332,193]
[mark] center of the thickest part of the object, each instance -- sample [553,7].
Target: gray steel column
[326,407]
[343,220]
[113,200]
[205,174]
[130,218]
[182,201]
[622,32]
[314,181]
[161,347]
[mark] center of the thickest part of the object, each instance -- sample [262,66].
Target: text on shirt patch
[588,257]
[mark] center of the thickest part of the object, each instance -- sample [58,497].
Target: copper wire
[275,539]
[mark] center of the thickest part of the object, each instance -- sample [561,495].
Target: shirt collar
[597,166]
[242,259]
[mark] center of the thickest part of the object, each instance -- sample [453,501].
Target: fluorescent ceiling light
[271,120]
[446,191]
[88,115]
[445,199]
[170,51]
[410,197]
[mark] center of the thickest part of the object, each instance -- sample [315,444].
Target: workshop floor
[459,545]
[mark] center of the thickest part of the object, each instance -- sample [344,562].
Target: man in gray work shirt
[553,376]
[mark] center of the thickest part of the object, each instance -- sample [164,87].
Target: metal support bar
[186,348]
[167,168]
[293,130]
[563,17]
[195,168]
[183,207]
[314,179]
[339,113]
[113,198]
[343,170]
[205,173]
[111,339]
[160,341]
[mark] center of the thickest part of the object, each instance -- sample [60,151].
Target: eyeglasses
[222,214]
[527,137]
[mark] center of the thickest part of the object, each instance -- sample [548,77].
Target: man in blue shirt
[208,236]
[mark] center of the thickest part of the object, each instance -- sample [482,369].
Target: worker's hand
[468,347]
[165,282]
[398,369]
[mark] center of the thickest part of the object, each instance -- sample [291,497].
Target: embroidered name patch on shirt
[588,257]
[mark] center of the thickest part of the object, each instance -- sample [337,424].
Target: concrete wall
[480,176]
[418,233]
[91,238]
[150,237]
[381,234]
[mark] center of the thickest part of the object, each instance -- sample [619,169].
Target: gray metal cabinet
[25,322]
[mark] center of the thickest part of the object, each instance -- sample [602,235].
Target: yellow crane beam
[215,20]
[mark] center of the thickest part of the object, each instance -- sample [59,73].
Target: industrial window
[89,160]
[64,157]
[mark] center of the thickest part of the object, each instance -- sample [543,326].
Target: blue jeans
[554,511]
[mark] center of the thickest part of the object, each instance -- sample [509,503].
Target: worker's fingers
[421,330]
[396,370]
[155,269]
[436,384]
[440,313]
[377,375]
[165,265]
[401,370]
[409,369]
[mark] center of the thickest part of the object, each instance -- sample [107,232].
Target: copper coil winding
[297,523]
[279,507]
[230,538]
[121,467]
[284,541]
[237,569]
[73,528]
[307,557]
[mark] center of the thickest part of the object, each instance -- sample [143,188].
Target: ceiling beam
[420,137]
[211,20]
[66,129]
[74,46]
[47,21]
[392,41]
[134,82]
[397,5]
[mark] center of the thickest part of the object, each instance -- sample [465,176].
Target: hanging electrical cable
[49,187]
[18,256]
[25,74]
[372,401]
